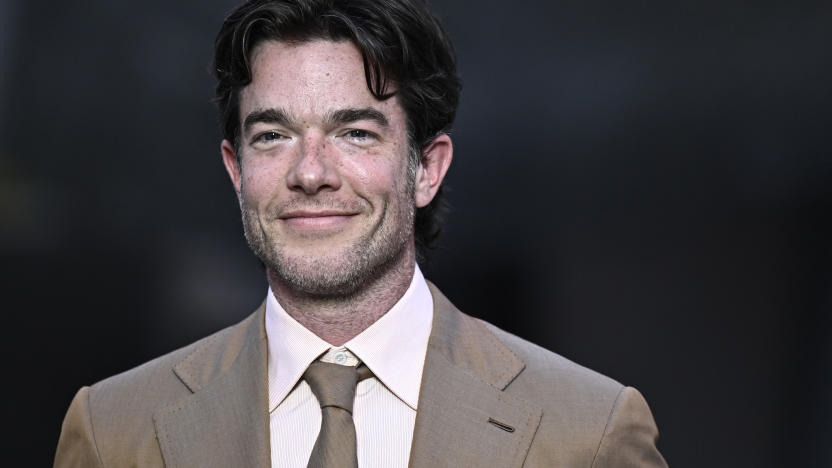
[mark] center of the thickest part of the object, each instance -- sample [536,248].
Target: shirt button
[340,357]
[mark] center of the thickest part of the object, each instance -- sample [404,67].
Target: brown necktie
[334,387]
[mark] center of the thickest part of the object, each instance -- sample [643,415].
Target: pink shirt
[385,407]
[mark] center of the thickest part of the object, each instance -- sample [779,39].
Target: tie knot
[332,384]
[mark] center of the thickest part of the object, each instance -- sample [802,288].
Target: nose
[313,169]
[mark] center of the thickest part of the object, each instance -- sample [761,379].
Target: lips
[314,220]
[314,214]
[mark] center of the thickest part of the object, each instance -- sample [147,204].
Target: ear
[232,165]
[436,159]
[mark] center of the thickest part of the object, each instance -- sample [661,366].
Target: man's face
[325,189]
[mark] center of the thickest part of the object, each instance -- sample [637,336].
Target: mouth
[325,220]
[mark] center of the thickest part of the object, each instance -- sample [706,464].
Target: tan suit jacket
[488,399]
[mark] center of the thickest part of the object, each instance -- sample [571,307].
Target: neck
[338,318]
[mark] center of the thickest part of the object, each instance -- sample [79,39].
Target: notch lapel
[464,417]
[224,422]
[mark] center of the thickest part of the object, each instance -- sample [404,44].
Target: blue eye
[359,134]
[268,140]
[270,136]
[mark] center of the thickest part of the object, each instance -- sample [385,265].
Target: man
[336,116]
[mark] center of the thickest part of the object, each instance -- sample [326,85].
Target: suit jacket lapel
[464,417]
[224,422]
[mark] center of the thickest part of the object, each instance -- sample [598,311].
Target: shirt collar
[393,347]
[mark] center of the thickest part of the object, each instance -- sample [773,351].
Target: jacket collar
[224,422]
[465,418]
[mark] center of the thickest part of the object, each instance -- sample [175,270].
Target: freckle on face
[326,76]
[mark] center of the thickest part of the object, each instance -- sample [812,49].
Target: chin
[323,275]
[334,274]
[337,267]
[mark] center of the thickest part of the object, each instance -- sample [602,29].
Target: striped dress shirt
[385,407]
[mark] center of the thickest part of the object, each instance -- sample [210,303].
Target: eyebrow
[345,116]
[274,116]
[334,118]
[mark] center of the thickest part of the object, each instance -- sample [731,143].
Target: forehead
[310,78]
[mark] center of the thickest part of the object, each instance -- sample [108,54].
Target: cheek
[374,177]
[259,181]
[381,172]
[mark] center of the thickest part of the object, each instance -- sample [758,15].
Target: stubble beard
[344,270]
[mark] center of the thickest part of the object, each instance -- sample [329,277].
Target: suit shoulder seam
[607,425]
[92,427]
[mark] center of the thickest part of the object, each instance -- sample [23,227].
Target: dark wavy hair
[402,44]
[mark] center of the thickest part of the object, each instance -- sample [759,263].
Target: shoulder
[114,418]
[587,418]
[548,370]
[170,374]
[535,372]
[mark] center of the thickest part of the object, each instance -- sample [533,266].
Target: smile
[316,220]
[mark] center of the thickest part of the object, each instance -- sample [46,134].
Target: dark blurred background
[643,187]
